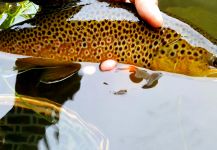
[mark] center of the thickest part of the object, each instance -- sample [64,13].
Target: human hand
[148,10]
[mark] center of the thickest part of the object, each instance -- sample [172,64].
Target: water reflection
[42,124]
[24,125]
[34,122]
[28,83]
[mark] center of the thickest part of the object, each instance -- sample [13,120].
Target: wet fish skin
[59,35]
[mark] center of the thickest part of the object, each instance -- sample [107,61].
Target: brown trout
[96,31]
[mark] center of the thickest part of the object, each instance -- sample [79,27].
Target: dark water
[83,112]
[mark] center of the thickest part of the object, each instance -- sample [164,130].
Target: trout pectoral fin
[212,73]
[53,75]
[52,71]
[22,64]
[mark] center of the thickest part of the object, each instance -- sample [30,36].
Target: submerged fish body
[98,31]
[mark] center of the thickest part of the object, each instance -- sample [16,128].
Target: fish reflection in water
[34,121]
[29,82]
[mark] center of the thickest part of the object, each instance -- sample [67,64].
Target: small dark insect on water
[120,92]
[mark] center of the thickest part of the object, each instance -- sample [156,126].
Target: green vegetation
[11,13]
[200,14]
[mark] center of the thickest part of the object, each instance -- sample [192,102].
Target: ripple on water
[40,123]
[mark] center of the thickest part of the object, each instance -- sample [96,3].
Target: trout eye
[215,62]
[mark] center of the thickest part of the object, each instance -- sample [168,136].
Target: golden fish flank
[55,36]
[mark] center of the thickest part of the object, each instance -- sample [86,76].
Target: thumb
[149,11]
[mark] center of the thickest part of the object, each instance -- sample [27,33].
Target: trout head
[180,57]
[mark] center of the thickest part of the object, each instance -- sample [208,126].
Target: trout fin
[53,75]
[212,73]
[52,71]
[35,63]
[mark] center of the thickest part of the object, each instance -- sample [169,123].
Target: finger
[149,11]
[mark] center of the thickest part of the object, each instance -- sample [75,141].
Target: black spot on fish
[176,46]
[189,53]
[162,52]
[195,54]
[182,52]
[183,45]
[172,54]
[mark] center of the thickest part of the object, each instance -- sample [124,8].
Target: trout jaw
[192,61]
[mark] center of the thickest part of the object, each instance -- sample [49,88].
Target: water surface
[178,113]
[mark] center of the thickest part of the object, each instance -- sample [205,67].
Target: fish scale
[63,36]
